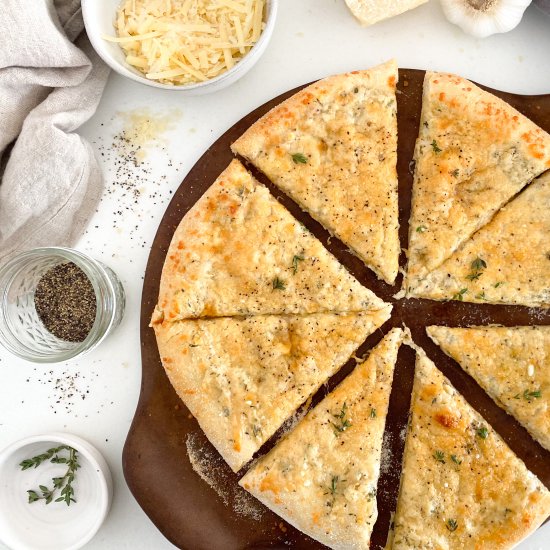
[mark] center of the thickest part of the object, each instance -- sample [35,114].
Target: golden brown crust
[242,378]
[505,262]
[511,364]
[332,147]
[322,476]
[461,487]
[474,153]
[240,252]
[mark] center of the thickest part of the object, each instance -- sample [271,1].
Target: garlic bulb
[481,18]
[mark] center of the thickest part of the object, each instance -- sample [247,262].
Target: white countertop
[312,39]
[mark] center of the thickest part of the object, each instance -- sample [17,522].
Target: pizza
[461,485]
[322,476]
[512,364]
[505,262]
[332,147]
[238,252]
[473,154]
[241,378]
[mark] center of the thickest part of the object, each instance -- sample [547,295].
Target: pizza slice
[511,364]
[505,262]
[322,476]
[332,147]
[474,152]
[243,377]
[461,486]
[240,252]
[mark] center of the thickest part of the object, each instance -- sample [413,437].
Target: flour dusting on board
[209,465]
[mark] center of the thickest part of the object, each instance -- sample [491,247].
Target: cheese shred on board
[187,41]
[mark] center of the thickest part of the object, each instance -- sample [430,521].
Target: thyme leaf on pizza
[435,147]
[342,423]
[478,266]
[529,395]
[451,524]
[460,295]
[295,261]
[482,432]
[278,284]
[439,456]
[299,158]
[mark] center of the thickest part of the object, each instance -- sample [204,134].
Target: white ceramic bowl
[54,526]
[99,17]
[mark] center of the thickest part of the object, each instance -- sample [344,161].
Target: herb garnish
[460,295]
[299,158]
[435,147]
[332,488]
[478,265]
[373,413]
[439,456]
[421,229]
[295,260]
[529,395]
[455,173]
[63,483]
[451,525]
[456,460]
[342,423]
[481,296]
[278,284]
[496,285]
[482,432]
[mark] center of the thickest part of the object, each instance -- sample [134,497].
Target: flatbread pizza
[505,262]
[461,486]
[474,152]
[332,147]
[322,476]
[243,377]
[238,252]
[512,364]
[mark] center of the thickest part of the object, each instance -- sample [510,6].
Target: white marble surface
[312,38]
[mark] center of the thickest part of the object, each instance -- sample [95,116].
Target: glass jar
[21,330]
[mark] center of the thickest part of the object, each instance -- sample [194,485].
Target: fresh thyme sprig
[342,423]
[295,260]
[477,266]
[529,395]
[299,158]
[64,484]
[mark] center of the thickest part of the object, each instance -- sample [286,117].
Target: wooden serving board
[196,515]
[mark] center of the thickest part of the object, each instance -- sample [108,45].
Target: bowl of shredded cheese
[196,46]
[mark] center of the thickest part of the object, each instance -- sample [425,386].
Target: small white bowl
[99,17]
[54,526]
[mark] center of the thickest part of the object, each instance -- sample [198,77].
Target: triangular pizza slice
[474,152]
[243,377]
[332,147]
[322,476]
[505,262]
[461,485]
[512,364]
[238,251]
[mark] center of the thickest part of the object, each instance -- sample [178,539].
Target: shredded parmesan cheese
[187,41]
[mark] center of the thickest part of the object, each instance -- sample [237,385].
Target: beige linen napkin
[49,86]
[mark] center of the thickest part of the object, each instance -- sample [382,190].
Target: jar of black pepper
[57,303]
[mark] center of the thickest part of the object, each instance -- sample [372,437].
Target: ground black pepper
[65,302]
